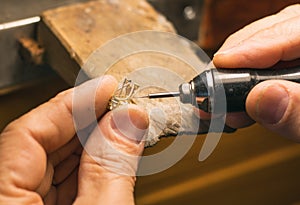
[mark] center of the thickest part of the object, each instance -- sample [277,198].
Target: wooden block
[84,27]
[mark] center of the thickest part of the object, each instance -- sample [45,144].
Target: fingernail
[224,52]
[233,49]
[272,104]
[130,122]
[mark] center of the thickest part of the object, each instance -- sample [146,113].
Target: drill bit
[160,95]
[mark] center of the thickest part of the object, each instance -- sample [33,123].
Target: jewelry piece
[123,95]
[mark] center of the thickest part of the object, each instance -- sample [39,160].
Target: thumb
[275,105]
[109,161]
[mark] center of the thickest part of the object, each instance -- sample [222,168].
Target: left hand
[40,153]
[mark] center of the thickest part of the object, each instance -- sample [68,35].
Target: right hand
[275,104]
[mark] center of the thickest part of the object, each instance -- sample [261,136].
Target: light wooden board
[84,27]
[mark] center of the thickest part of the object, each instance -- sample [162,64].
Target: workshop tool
[208,88]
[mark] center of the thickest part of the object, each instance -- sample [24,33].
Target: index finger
[52,124]
[263,43]
[261,24]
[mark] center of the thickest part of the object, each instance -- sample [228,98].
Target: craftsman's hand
[40,157]
[274,104]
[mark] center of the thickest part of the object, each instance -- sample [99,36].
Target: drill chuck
[229,86]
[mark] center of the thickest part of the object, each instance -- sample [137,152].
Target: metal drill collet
[124,94]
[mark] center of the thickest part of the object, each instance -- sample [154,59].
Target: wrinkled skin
[42,161]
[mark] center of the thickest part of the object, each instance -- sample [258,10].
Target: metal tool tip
[164,95]
[143,96]
[159,95]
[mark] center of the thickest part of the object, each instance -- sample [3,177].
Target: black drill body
[209,89]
